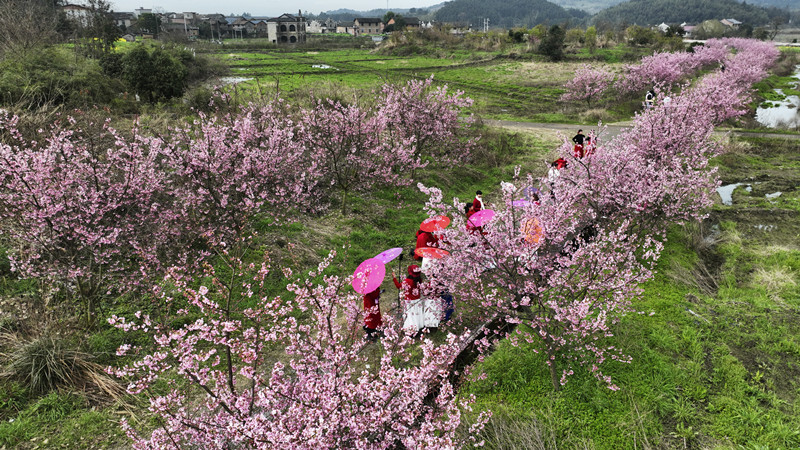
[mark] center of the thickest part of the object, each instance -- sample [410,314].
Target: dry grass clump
[702,275]
[786,64]
[776,280]
[698,277]
[47,363]
[507,432]
[736,146]
[595,115]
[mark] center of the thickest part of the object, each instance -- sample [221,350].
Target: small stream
[784,113]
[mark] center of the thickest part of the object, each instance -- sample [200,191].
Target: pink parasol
[532,230]
[530,191]
[387,256]
[431,252]
[435,223]
[368,276]
[481,218]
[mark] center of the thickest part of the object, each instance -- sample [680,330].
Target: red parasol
[481,218]
[532,230]
[431,252]
[435,223]
[387,256]
[368,276]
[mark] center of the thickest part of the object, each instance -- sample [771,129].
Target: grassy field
[503,86]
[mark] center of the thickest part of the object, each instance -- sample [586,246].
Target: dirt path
[612,130]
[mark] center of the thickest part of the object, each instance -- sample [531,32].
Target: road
[612,130]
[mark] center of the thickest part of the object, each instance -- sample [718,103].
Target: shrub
[552,45]
[53,76]
[146,78]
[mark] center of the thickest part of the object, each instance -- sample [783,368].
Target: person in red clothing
[425,239]
[409,286]
[469,211]
[477,203]
[372,311]
[415,308]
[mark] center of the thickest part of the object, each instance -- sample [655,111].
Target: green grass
[58,421]
[502,87]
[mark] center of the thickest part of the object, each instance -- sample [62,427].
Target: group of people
[584,146]
[419,313]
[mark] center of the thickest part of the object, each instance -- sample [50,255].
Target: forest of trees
[508,14]
[644,12]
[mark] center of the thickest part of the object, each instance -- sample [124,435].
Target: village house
[261,26]
[732,23]
[242,27]
[78,13]
[320,27]
[367,25]
[412,23]
[287,28]
[123,19]
[346,27]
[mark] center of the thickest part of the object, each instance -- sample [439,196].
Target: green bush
[54,76]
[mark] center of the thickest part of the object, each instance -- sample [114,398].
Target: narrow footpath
[611,130]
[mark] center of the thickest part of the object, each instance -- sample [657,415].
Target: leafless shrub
[27,24]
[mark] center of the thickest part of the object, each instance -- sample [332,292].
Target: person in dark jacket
[578,140]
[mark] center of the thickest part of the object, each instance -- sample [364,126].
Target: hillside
[595,6]
[507,14]
[349,14]
[651,12]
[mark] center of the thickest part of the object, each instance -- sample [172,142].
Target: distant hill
[350,14]
[653,12]
[590,6]
[595,6]
[508,13]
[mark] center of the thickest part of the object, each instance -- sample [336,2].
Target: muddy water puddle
[781,113]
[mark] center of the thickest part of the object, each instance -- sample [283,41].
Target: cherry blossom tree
[85,206]
[668,69]
[589,84]
[429,118]
[324,390]
[228,167]
[353,148]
